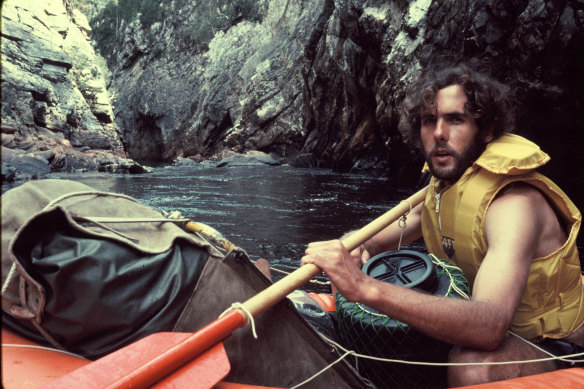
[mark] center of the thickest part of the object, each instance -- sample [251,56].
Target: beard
[462,161]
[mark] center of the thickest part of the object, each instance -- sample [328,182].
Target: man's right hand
[360,255]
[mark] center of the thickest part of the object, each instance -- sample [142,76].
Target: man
[510,229]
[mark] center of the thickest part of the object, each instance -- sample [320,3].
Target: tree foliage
[207,18]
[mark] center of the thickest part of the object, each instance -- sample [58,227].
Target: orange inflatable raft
[26,365]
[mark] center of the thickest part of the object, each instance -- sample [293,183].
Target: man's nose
[441,130]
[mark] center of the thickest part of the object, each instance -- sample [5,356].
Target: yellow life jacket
[552,305]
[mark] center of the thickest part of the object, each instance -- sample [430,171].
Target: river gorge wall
[312,83]
[57,114]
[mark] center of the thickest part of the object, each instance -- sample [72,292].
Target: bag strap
[88,193]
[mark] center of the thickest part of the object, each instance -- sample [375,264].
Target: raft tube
[31,368]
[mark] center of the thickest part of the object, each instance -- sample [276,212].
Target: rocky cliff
[322,79]
[56,111]
[313,82]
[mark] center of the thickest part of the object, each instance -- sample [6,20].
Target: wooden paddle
[153,358]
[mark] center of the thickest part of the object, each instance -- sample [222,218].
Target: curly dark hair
[489,101]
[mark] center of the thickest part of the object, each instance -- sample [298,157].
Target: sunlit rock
[55,104]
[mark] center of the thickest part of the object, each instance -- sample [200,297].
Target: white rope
[551,358]
[357,355]
[96,219]
[320,282]
[447,267]
[87,193]
[117,220]
[9,278]
[559,357]
[247,315]
[107,228]
[453,286]
[322,370]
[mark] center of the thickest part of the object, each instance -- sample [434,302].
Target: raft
[26,365]
[217,355]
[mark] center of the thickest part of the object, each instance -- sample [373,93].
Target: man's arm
[512,226]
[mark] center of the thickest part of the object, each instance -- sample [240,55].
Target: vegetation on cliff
[206,19]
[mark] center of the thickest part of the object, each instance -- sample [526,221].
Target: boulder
[20,165]
[251,158]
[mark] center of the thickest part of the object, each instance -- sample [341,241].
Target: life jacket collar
[512,155]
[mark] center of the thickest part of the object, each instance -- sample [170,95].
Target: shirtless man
[510,229]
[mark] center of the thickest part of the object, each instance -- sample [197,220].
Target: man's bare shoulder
[522,189]
[521,200]
[527,204]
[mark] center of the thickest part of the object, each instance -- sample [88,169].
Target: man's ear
[488,135]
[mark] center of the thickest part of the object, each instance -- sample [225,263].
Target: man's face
[449,135]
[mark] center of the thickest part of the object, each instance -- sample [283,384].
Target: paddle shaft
[277,291]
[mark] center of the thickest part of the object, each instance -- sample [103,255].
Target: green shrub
[105,26]
[211,16]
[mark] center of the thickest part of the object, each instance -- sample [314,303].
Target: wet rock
[8,140]
[250,158]
[20,165]
[186,162]
[54,94]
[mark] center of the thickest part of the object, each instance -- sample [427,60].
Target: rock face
[318,82]
[325,77]
[243,93]
[56,112]
[309,82]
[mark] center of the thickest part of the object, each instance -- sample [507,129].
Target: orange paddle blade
[152,359]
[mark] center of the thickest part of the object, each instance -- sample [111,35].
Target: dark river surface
[270,211]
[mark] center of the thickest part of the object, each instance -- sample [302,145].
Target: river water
[270,211]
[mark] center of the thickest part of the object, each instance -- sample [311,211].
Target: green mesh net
[367,331]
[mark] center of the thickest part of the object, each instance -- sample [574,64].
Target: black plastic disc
[407,268]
